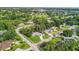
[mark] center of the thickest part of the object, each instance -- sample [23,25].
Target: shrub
[67,33]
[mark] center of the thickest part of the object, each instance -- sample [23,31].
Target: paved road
[33,46]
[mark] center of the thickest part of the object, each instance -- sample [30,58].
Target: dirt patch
[5,44]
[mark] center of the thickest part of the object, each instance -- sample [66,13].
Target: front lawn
[46,36]
[35,39]
[21,45]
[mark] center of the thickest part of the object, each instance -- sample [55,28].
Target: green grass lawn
[21,45]
[35,39]
[46,36]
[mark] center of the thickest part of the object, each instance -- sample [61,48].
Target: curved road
[33,46]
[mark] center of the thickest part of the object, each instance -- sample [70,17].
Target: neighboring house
[36,34]
[30,22]
[48,30]
[20,25]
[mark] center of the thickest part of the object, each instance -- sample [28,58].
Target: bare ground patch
[5,44]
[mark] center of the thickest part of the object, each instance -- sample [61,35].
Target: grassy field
[35,39]
[46,36]
[22,45]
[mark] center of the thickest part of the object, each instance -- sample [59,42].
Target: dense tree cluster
[41,19]
[67,33]
[8,35]
[60,45]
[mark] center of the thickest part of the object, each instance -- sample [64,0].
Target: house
[48,30]
[36,34]
[20,25]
